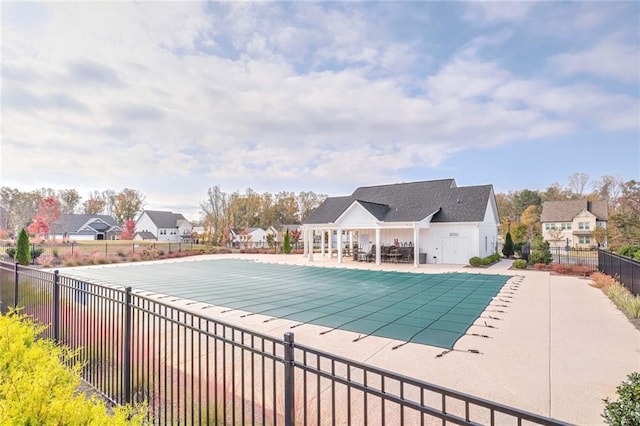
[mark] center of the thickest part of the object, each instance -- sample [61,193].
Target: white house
[164,226]
[85,227]
[571,223]
[248,237]
[439,221]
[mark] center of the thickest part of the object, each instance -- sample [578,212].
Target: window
[583,225]
[585,239]
[174,232]
[163,232]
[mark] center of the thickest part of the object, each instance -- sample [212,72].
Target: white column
[339,242]
[351,242]
[416,246]
[310,238]
[378,246]
[329,248]
[322,242]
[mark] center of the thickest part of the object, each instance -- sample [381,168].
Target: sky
[171,98]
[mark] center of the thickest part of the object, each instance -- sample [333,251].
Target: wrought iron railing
[191,369]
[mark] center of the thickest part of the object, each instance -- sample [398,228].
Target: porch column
[310,240]
[378,246]
[351,242]
[329,248]
[416,246]
[339,242]
[322,242]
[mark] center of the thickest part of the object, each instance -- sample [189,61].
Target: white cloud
[609,58]
[126,95]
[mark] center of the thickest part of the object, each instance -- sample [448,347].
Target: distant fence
[575,257]
[191,369]
[102,247]
[624,269]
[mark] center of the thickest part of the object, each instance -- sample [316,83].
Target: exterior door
[455,250]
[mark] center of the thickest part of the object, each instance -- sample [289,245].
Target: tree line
[37,210]
[520,211]
[220,211]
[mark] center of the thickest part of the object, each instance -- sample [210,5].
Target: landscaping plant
[626,410]
[286,244]
[37,388]
[507,249]
[23,254]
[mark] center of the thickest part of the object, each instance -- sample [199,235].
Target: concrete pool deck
[557,350]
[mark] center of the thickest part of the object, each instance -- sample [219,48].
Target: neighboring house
[85,227]
[443,223]
[247,237]
[144,236]
[571,223]
[280,230]
[164,226]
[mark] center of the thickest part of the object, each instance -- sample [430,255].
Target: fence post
[15,285]
[289,383]
[126,347]
[55,314]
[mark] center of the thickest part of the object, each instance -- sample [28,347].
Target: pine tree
[507,250]
[23,254]
[286,245]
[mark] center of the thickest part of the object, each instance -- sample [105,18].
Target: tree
[23,252]
[39,227]
[525,198]
[129,230]
[577,183]
[95,204]
[531,219]
[599,235]
[69,200]
[555,192]
[507,249]
[127,205]
[286,244]
[608,188]
[295,237]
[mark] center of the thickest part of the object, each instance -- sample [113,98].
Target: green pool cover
[432,309]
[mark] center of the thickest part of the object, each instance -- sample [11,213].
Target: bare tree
[578,183]
[608,188]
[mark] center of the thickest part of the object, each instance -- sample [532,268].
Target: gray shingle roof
[411,202]
[71,223]
[146,235]
[565,211]
[164,220]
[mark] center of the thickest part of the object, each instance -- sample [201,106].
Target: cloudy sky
[171,98]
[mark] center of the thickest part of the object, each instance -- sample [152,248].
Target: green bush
[36,388]
[508,248]
[487,261]
[11,252]
[520,264]
[286,244]
[629,250]
[540,252]
[23,255]
[626,410]
[475,261]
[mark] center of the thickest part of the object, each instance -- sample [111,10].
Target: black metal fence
[575,257]
[191,369]
[624,269]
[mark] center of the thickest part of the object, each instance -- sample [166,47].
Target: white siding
[144,223]
[356,217]
[432,240]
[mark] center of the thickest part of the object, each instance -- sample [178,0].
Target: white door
[455,250]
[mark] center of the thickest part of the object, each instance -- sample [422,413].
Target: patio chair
[371,256]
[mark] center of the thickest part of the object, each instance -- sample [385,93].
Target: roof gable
[73,223]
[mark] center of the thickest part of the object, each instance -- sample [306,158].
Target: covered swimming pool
[430,309]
